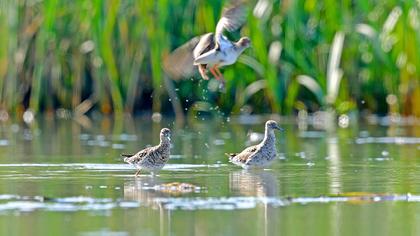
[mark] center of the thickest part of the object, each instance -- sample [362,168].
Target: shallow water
[60,178]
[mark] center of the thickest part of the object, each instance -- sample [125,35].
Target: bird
[210,50]
[152,159]
[259,155]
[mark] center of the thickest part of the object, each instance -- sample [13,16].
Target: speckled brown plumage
[152,158]
[259,155]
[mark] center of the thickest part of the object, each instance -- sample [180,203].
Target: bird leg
[222,79]
[212,70]
[137,173]
[218,71]
[202,70]
[215,71]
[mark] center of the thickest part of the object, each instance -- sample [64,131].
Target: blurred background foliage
[106,56]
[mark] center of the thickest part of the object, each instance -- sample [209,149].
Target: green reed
[310,54]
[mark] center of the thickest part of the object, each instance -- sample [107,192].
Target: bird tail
[126,156]
[230,155]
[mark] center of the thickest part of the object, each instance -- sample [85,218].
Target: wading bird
[261,154]
[152,159]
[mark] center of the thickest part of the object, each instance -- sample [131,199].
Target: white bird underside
[220,57]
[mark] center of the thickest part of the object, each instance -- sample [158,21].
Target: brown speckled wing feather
[140,155]
[245,154]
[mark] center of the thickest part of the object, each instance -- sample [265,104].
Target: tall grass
[348,55]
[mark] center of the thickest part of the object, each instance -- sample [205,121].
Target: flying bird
[210,51]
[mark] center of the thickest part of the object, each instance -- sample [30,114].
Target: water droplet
[28,116]
[156,117]
[343,121]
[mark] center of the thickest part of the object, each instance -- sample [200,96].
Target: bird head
[165,134]
[271,125]
[244,42]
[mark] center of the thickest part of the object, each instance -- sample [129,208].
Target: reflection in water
[334,167]
[138,190]
[149,189]
[257,183]
[80,170]
[334,172]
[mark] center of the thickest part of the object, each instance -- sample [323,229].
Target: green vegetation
[342,55]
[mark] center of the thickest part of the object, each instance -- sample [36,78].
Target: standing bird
[259,155]
[152,158]
[211,50]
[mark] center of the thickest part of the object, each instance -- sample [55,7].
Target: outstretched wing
[180,63]
[233,17]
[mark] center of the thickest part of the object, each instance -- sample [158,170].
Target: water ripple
[100,166]
[388,140]
[10,202]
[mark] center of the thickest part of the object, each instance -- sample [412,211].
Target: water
[60,178]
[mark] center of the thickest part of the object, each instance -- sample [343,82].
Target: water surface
[60,178]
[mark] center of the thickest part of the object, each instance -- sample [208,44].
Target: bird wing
[243,156]
[206,44]
[139,156]
[180,63]
[233,17]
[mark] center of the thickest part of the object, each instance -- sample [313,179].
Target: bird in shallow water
[261,154]
[152,159]
[211,50]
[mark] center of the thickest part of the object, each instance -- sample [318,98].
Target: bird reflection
[139,189]
[147,189]
[257,183]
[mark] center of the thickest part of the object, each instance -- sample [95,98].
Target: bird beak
[279,128]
